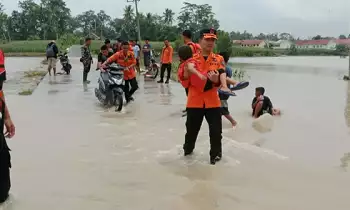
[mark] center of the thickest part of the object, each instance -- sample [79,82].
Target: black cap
[210,31]
[107,41]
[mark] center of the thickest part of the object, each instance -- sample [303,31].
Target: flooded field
[70,153]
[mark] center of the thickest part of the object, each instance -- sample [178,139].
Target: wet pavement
[71,153]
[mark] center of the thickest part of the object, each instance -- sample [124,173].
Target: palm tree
[129,23]
[168,16]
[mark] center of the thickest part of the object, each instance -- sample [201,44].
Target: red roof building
[316,44]
[343,41]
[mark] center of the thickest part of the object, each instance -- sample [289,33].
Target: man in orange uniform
[5,159]
[205,103]
[187,37]
[126,58]
[166,59]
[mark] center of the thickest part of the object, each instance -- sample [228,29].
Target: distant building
[343,42]
[316,44]
[281,44]
[250,43]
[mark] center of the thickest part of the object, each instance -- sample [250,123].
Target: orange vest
[167,55]
[2,62]
[124,61]
[195,47]
[208,99]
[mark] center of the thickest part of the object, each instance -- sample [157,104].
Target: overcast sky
[300,17]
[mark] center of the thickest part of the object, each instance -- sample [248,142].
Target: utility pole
[137,19]
[349,61]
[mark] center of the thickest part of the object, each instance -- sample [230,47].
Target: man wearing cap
[205,103]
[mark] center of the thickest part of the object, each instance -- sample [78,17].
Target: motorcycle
[64,60]
[153,70]
[110,89]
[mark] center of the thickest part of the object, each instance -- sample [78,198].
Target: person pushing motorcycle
[126,59]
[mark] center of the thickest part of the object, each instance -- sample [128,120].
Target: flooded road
[70,153]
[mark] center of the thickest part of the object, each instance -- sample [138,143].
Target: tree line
[52,19]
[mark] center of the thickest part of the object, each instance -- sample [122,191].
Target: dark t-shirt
[147,46]
[102,58]
[266,108]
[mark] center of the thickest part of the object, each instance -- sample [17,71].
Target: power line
[137,18]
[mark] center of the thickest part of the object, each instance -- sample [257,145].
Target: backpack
[50,51]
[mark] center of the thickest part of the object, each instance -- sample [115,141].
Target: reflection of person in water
[262,104]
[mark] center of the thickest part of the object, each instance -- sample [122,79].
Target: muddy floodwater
[70,153]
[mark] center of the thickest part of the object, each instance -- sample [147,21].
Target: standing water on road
[70,153]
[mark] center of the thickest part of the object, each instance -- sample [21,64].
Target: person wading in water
[205,102]
[86,59]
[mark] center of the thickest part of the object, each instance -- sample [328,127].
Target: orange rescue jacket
[167,55]
[205,99]
[125,61]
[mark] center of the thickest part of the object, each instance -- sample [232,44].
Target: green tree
[168,17]
[87,22]
[55,15]
[342,37]
[341,48]
[196,17]
[318,37]
[128,29]
[102,20]
[3,24]
[224,43]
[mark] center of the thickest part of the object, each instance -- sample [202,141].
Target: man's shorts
[52,62]
[224,108]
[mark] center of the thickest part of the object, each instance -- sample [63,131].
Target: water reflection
[347,107]
[165,94]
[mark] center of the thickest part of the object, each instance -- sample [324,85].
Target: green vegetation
[35,73]
[40,21]
[26,92]
[37,48]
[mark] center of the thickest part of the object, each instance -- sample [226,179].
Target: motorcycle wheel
[155,70]
[118,102]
